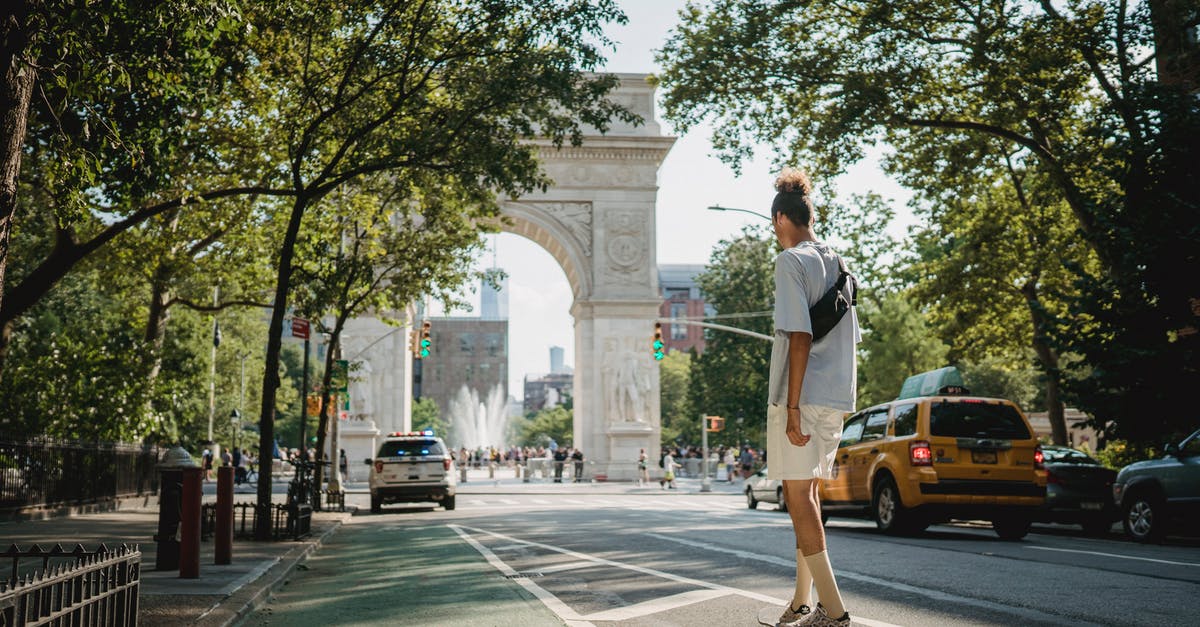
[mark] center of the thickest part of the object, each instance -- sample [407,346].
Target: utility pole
[212,379]
[304,402]
[705,484]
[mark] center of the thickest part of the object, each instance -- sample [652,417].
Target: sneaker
[818,618]
[791,616]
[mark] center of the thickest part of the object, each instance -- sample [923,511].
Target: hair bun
[793,180]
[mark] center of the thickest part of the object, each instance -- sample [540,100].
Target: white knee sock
[827,588]
[804,583]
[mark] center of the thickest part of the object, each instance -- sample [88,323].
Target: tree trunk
[6,329]
[15,95]
[331,355]
[156,331]
[1048,358]
[266,437]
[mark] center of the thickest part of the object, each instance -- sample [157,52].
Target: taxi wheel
[890,514]
[1142,518]
[751,502]
[376,505]
[1012,527]
[781,500]
[448,503]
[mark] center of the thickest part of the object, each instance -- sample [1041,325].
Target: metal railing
[287,521]
[82,588]
[45,472]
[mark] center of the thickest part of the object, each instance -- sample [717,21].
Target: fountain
[475,422]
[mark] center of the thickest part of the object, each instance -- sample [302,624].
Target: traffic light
[660,349]
[715,423]
[425,344]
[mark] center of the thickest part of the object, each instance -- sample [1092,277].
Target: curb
[254,595]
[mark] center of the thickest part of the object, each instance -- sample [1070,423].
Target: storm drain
[530,575]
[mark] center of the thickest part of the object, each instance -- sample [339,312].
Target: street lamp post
[753,213]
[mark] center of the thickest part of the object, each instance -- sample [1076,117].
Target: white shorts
[813,460]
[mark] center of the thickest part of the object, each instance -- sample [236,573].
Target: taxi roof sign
[946,380]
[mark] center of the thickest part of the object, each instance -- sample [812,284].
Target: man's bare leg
[804,508]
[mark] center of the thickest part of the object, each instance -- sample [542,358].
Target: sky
[539,296]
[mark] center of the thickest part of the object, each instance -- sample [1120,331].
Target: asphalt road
[705,559]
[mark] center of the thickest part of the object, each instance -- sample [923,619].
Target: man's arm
[799,347]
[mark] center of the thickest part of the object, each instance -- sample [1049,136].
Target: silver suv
[412,467]
[1157,494]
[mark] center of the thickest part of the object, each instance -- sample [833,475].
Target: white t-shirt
[802,276]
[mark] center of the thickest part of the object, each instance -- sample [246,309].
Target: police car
[412,467]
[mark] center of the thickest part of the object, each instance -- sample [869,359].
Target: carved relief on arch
[625,245]
[574,218]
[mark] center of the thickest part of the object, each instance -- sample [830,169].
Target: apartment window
[678,331]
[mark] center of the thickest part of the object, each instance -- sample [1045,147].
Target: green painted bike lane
[373,573]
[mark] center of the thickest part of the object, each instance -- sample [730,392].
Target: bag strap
[843,274]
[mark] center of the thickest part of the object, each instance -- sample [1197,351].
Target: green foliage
[897,343]
[1117,454]
[731,376]
[537,429]
[998,377]
[1066,93]
[426,415]
[674,377]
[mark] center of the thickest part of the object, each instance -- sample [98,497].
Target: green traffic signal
[658,345]
[658,355]
[424,352]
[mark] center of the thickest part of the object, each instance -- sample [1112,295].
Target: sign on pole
[300,328]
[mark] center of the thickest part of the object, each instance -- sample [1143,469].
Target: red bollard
[223,543]
[189,524]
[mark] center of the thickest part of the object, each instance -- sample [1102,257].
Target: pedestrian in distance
[206,461]
[560,458]
[730,462]
[643,471]
[238,472]
[811,389]
[669,467]
[344,465]
[577,457]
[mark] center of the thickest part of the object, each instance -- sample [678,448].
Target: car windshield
[413,448]
[1068,456]
[976,420]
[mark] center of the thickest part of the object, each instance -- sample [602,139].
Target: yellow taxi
[937,454]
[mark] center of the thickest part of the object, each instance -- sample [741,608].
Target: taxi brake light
[1039,458]
[919,453]
[446,463]
[378,466]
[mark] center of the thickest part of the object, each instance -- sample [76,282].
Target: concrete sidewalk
[220,596]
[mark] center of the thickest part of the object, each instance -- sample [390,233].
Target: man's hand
[794,434]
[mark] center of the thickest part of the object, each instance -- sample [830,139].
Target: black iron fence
[77,587]
[46,472]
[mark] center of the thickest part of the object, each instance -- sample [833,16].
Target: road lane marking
[1124,557]
[655,606]
[565,567]
[564,612]
[936,595]
[648,607]
[508,502]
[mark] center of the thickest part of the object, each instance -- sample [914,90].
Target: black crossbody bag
[827,312]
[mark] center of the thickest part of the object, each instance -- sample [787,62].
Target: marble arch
[598,221]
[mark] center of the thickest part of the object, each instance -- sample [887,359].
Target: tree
[1071,88]
[395,238]
[731,376]
[674,374]
[539,429]
[897,344]
[350,89]
[118,91]
[426,415]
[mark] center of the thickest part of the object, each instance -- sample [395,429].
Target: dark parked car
[1078,490]
[1157,495]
